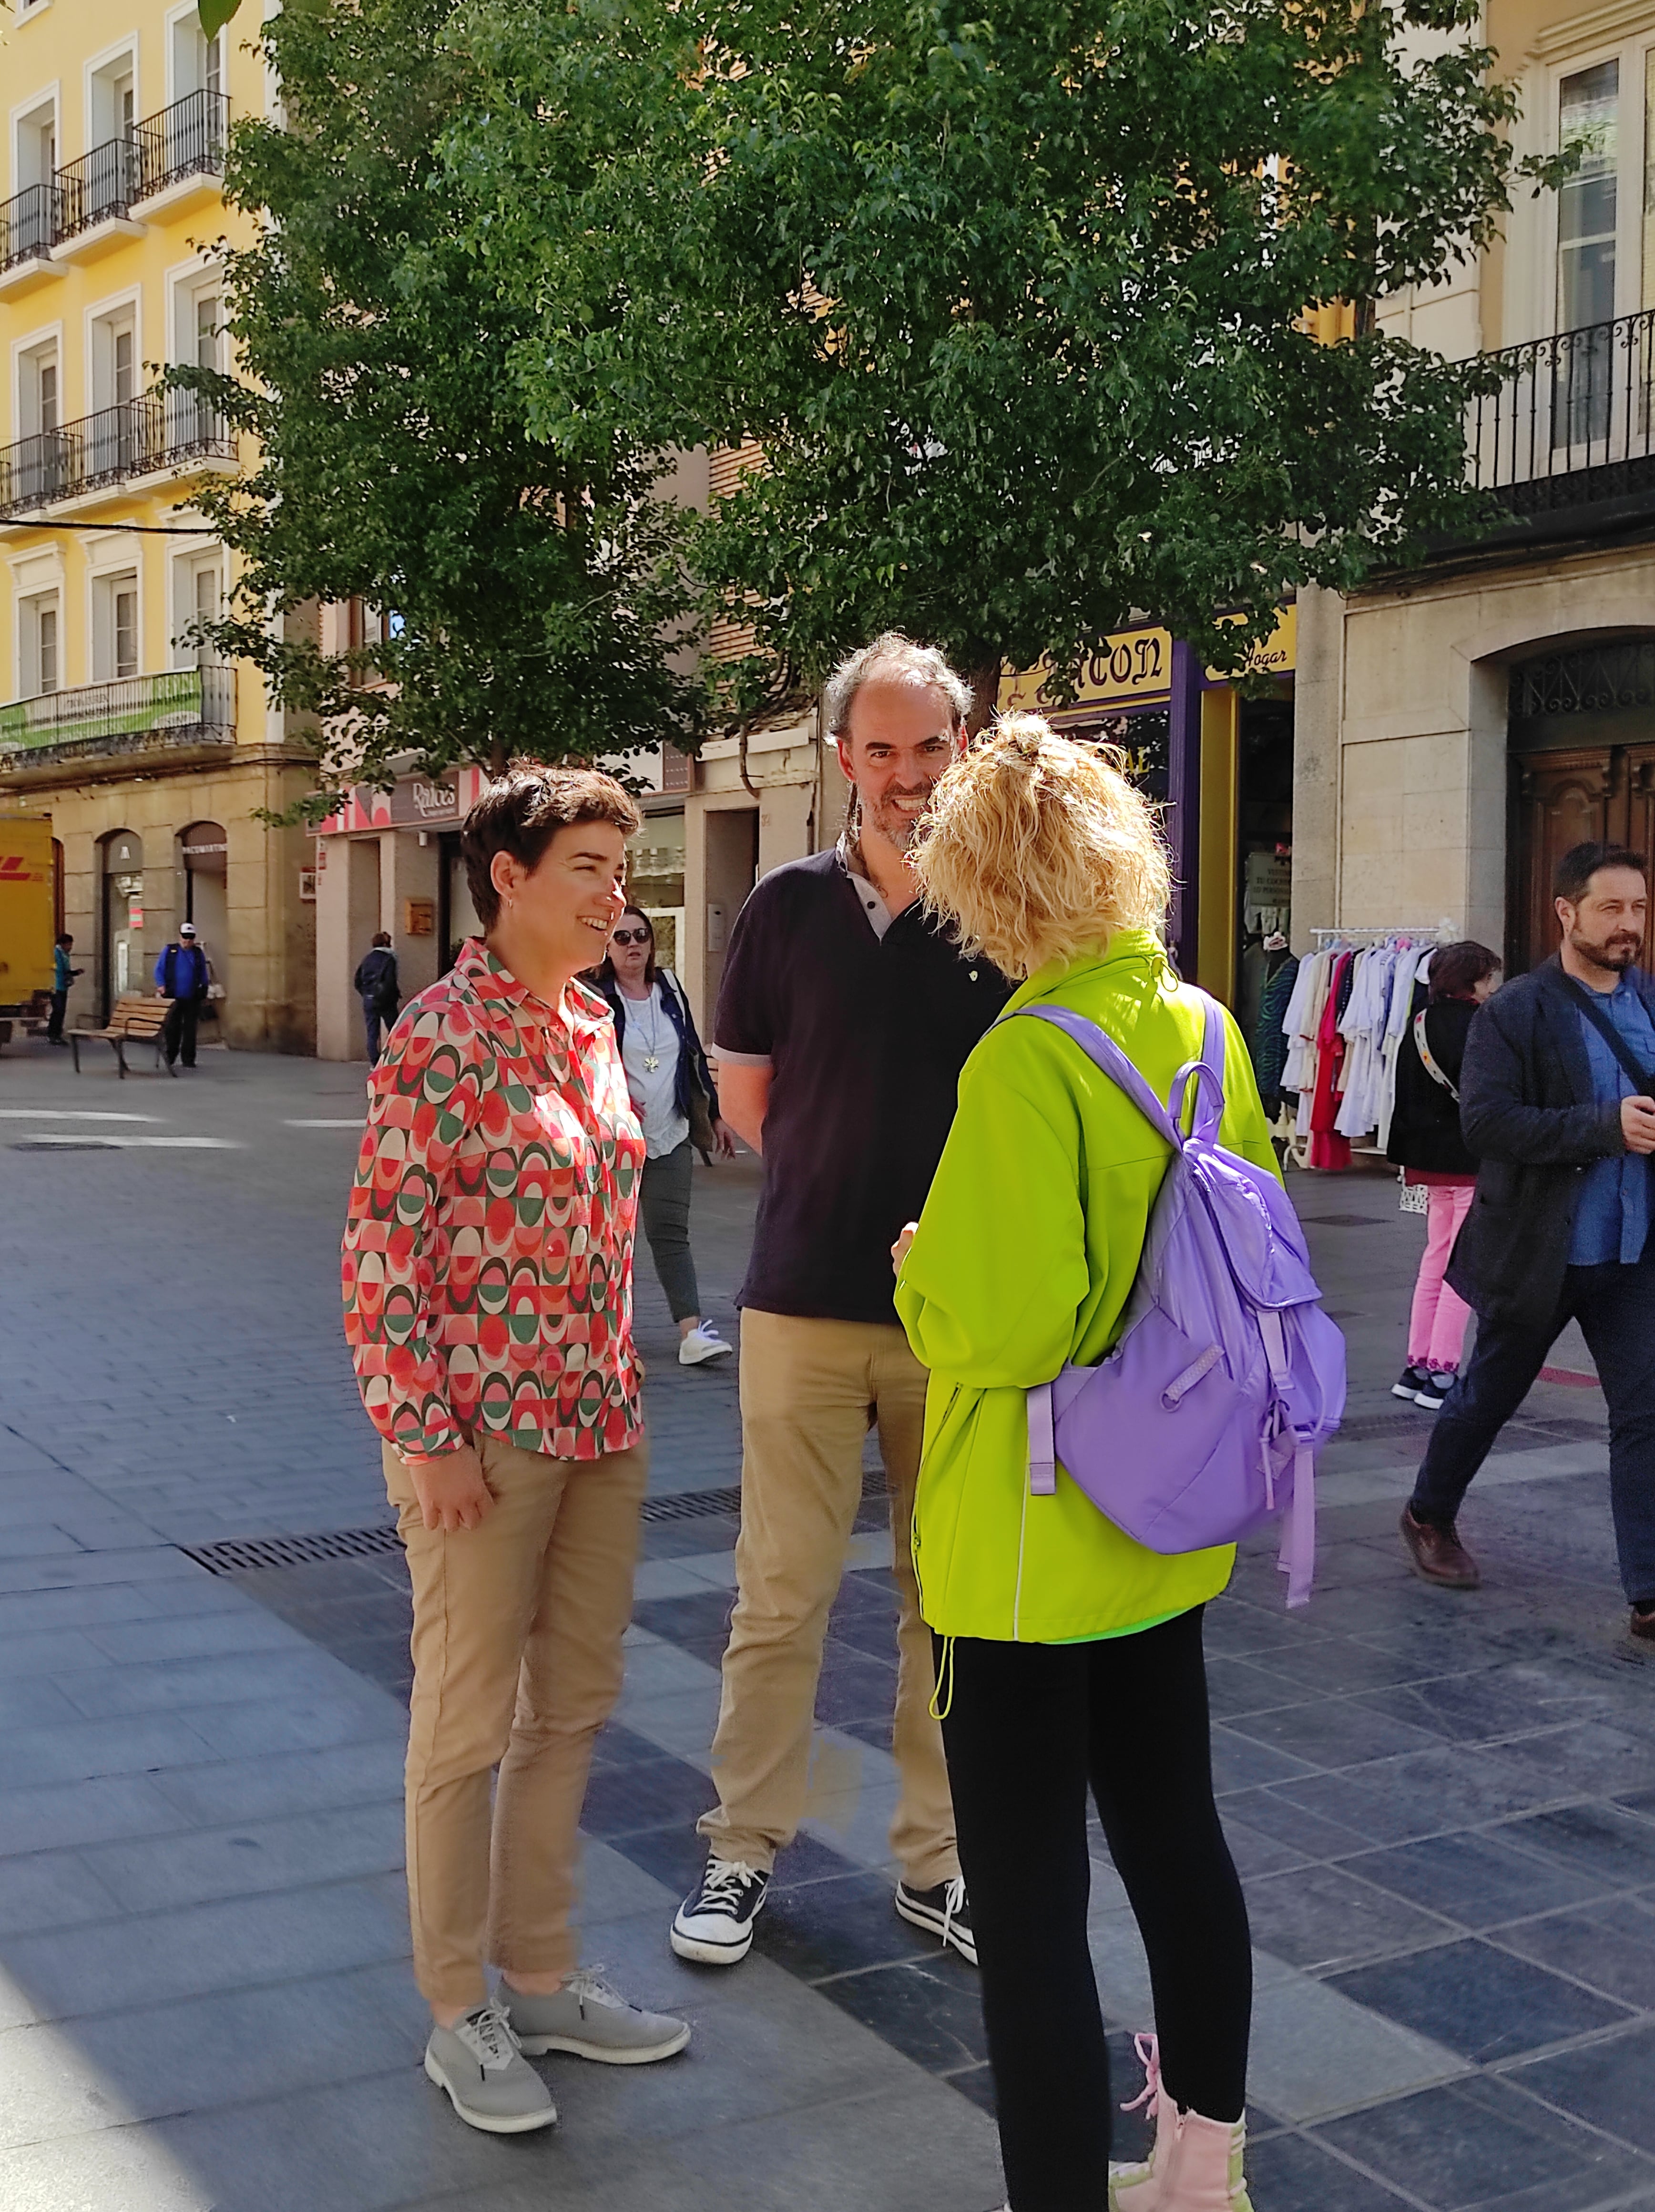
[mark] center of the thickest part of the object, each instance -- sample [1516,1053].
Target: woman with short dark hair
[674,1098]
[1427,1143]
[487,1287]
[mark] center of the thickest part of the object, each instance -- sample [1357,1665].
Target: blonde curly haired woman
[1070,1657]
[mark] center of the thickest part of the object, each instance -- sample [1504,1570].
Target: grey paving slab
[81,1750]
[330,1845]
[81,1813]
[244,1789]
[202,1949]
[177,1685]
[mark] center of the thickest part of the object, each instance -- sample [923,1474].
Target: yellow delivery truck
[28,911]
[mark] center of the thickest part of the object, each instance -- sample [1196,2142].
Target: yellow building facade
[152,757]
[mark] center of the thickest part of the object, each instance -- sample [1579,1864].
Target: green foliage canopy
[1011,296]
[531,589]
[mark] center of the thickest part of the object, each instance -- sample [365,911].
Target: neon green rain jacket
[1025,1256]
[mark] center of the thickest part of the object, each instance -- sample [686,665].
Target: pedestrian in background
[498,1171]
[375,984]
[182,975]
[62,976]
[1557,1098]
[1429,1144]
[1070,1656]
[676,1102]
[845,1017]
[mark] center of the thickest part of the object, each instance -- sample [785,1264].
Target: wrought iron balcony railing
[183,706]
[162,430]
[101,184]
[187,139]
[30,222]
[184,140]
[1573,425]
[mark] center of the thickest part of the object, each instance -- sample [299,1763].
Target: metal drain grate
[240,1555]
[692,1505]
[244,1555]
[1384,1425]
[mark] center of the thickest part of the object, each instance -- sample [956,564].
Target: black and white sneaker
[1433,1392]
[714,1924]
[945,1911]
[1411,1382]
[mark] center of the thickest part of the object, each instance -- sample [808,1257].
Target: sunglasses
[630,936]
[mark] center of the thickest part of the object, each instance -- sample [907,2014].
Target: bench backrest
[138,1015]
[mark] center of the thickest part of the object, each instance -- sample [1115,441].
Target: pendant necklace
[653,1040]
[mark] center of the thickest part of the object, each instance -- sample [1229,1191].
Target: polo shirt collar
[878,914]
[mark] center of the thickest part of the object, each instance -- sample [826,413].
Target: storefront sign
[417,799]
[1277,656]
[1133,668]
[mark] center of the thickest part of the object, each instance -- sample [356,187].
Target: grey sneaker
[587,2017]
[490,2084]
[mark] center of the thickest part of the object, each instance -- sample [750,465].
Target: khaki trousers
[517,1664]
[810,1390]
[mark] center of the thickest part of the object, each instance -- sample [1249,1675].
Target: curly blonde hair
[1038,848]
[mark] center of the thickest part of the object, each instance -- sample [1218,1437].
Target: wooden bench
[135,1020]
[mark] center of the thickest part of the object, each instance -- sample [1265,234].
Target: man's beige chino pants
[808,1389]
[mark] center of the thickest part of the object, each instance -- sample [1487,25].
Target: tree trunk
[984,677]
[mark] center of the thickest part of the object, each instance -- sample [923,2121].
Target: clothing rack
[1378,932]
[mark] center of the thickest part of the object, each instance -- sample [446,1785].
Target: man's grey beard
[898,830]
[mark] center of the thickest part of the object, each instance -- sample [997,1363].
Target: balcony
[1568,443]
[181,153]
[30,222]
[170,160]
[184,710]
[162,434]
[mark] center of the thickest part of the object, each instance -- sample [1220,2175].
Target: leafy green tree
[531,591]
[1011,297]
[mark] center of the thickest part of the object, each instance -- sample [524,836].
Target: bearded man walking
[845,1018]
[1557,1101]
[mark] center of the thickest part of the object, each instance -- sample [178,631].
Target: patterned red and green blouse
[488,1256]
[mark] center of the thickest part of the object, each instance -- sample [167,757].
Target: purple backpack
[1204,1419]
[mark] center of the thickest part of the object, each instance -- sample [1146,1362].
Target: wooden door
[1558,800]
[1639,828]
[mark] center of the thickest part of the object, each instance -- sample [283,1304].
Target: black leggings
[1028,1726]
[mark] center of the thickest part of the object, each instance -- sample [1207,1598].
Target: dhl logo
[14,869]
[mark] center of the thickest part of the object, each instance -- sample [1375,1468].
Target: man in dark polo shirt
[843,1023]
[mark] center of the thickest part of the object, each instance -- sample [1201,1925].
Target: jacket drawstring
[941,1705]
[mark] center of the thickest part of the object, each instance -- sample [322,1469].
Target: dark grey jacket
[1532,1116]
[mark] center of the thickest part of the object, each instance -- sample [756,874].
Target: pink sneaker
[1195,2165]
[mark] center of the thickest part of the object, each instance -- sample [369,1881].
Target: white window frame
[33,342]
[121,49]
[28,605]
[185,282]
[101,584]
[1630,50]
[179,17]
[47,95]
[103,311]
[186,567]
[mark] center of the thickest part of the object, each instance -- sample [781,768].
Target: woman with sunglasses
[672,1091]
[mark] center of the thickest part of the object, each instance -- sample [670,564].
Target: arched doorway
[1581,734]
[122,967]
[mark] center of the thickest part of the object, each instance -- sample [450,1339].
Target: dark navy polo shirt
[866,1034]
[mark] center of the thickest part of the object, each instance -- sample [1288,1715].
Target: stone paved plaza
[1443,1806]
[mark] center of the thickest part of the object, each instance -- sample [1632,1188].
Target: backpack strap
[1101,1048]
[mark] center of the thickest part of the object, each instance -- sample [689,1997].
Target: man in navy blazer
[1557,1101]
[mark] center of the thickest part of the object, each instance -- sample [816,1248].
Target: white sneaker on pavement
[701,1343]
[714,1924]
